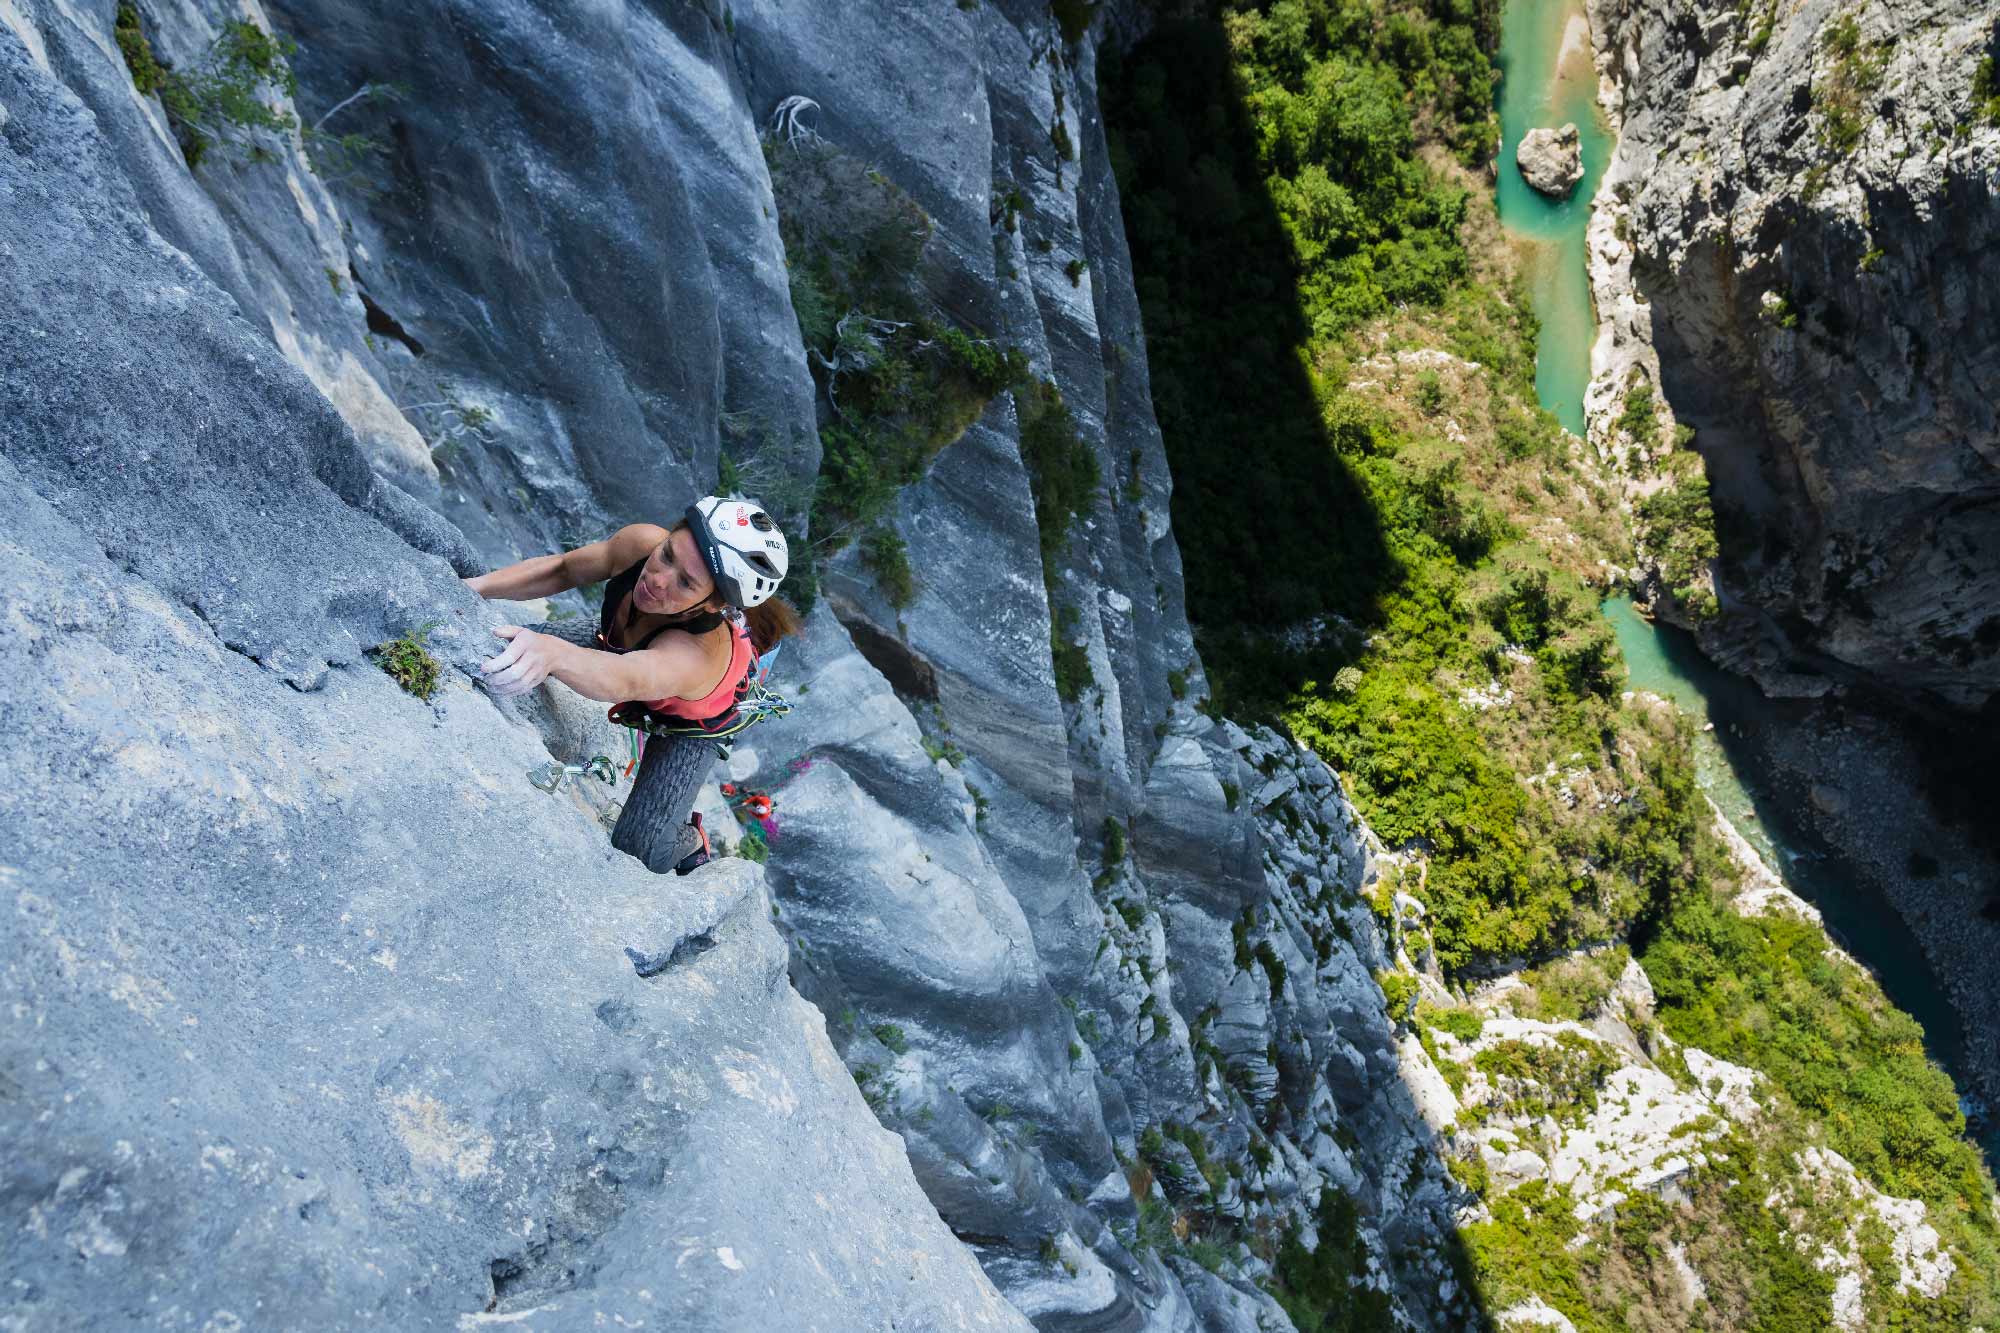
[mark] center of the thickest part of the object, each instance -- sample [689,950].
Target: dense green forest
[1394,553]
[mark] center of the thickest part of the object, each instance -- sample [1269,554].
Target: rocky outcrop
[315,1004]
[1602,1107]
[308,978]
[1805,196]
[1551,160]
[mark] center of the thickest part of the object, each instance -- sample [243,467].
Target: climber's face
[674,578]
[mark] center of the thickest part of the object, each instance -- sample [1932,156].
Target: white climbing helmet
[741,545]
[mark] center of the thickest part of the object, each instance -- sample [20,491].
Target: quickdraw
[555,775]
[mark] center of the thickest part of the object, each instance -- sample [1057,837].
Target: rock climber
[687,610]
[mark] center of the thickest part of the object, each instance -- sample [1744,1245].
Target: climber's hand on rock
[526,663]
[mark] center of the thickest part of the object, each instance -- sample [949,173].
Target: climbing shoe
[697,836]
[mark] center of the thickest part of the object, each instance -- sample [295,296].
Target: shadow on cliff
[1276,529]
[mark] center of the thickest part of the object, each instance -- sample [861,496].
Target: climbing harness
[553,776]
[755,702]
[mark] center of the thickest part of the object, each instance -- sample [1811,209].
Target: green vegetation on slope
[900,382]
[1677,528]
[1344,372]
[1342,366]
[1768,992]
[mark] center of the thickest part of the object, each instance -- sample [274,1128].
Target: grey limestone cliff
[1808,199]
[1796,242]
[319,1014]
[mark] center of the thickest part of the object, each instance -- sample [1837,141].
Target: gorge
[1222,876]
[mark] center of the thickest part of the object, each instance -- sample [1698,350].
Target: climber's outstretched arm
[673,664]
[546,575]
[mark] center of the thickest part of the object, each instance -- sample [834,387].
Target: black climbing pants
[654,826]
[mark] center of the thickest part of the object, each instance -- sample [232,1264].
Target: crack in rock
[689,947]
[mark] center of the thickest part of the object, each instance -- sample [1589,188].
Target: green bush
[409,663]
[1398,990]
[1062,469]
[887,556]
[1570,988]
[1534,1079]
[1841,95]
[1640,417]
[1114,841]
[900,379]
[1430,393]
[1464,1024]
[1069,660]
[1677,526]
[1325,1289]
[1986,91]
[1274,966]
[891,1036]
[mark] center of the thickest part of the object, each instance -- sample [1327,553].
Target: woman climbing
[687,610]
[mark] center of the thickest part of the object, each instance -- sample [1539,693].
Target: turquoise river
[1547,79]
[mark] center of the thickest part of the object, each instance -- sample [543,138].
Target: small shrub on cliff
[1326,1289]
[1062,469]
[1840,95]
[1640,418]
[148,74]
[409,663]
[1059,136]
[1070,660]
[900,380]
[227,98]
[887,557]
[1398,989]
[1986,92]
[1677,527]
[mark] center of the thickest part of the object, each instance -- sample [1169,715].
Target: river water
[1548,79]
[1665,660]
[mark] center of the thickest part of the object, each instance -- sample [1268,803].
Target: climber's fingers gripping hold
[524,664]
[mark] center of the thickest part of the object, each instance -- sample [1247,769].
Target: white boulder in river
[1551,160]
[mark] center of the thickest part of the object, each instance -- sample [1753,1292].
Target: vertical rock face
[1811,200]
[293,944]
[317,1012]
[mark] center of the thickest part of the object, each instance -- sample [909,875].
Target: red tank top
[718,700]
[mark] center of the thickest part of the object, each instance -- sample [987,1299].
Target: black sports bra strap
[616,594]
